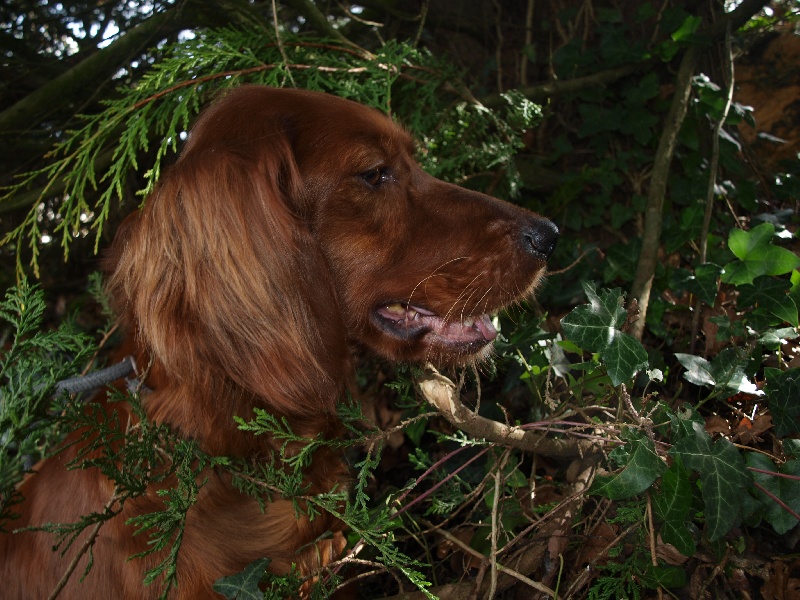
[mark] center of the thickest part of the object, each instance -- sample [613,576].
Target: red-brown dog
[292,225]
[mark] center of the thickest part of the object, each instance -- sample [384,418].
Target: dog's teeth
[396,308]
[412,314]
[469,322]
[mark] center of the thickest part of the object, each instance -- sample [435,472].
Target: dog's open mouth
[409,322]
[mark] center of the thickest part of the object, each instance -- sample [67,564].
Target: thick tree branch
[73,84]
[87,76]
[318,20]
[559,87]
[736,18]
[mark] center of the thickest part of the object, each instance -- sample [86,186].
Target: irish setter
[293,226]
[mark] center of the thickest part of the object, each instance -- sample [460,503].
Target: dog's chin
[409,333]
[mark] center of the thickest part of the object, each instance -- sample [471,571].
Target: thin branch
[651,533]
[423,17]
[654,212]
[498,51]
[503,569]
[583,255]
[589,571]
[87,543]
[498,486]
[279,41]
[523,69]
[713,166]
[777,500]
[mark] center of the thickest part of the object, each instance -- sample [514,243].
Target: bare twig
[576,261]
[581,580]
[718,568]
[279,41]
[713,166]
[498,51]
[644,422]
[523,69]
[542,91]
[498,486]
[503,569]
[422,19]
[87,544]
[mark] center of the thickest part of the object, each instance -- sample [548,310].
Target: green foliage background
[692,423]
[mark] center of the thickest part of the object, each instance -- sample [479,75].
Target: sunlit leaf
[757,256]
[597,327]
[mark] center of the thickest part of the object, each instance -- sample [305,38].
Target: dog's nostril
[540,237]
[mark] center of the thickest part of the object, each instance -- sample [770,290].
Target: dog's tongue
[466,331]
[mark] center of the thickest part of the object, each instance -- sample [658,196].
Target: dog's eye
[376,177]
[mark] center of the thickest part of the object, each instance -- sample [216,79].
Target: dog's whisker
[484,299]
[461,295]
[433,274]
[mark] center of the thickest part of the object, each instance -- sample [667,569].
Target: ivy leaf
[243,585]
[723,476]
[671,507]
[757,256]
[770,294]
[704,283]
[786,490]
[643,468]
[725,372]
[775,338]
[687,28]
[592,325]
[596,327]
[742,243]
[728,369]
[783,395]
[698,369]
[668,576]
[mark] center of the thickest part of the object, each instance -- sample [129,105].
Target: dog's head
[294,222]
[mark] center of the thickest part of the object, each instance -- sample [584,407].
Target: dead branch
[443,394]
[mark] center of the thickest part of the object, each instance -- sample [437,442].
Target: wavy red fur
[293,226]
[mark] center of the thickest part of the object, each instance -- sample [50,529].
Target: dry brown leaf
[716,424]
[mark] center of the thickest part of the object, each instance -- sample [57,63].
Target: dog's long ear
[221,278]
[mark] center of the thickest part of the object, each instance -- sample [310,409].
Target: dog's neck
[204,410]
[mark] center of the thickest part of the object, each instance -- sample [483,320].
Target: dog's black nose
[540,238]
